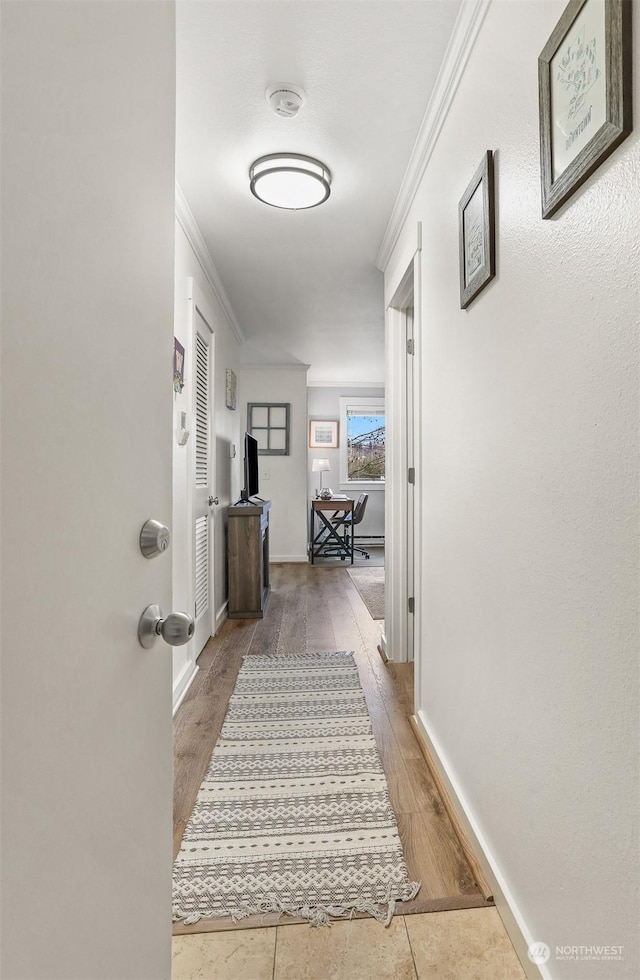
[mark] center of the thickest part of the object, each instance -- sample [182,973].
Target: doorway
[402,607]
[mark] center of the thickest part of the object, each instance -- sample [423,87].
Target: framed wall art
[584,94]
[231,383]
[323,434]
[178,366]
[477,237]
[268,422]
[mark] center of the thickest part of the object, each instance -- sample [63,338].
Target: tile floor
[470,944]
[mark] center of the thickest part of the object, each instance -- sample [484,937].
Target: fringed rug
[370,584]
[293,815]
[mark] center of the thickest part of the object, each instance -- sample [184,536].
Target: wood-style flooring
[312,609]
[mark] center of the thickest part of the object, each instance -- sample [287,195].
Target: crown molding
[344,384]
[273,367]
[463,38]
[189,225]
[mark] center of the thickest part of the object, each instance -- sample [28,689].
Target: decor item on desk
[230,389]
[178,366]
[293,815]
[584,95]
[477,238]
[323,434]
[321,466]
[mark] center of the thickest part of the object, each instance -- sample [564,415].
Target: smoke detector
[285,100]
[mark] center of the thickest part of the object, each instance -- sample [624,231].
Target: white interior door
[411,479]
[87,325]
[203,497]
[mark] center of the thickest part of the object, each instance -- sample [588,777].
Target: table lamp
[320,466]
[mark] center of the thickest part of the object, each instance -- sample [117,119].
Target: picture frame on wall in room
[477,236]
[231,383]
[584,95]
[323,434]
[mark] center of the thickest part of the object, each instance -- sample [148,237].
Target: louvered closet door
[203,470]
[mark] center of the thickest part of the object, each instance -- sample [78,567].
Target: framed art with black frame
[584,94]
[477,236]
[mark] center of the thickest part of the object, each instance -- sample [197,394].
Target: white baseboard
[287,559]
[221,616]
[183,683]
[513,920]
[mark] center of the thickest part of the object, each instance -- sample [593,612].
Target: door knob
[176,629]
[214,500]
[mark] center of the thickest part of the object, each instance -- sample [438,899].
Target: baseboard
[514,922]
[288,559]
[221,616]
[183,683]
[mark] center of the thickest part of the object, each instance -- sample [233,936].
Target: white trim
[508,910]
[221,616]
[345,384]
[246,365]
[288,559]
[189,225]
[463,37]
[183,683]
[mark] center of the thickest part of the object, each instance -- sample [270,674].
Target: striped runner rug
[293,815]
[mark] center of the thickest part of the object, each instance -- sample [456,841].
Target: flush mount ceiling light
[290,181]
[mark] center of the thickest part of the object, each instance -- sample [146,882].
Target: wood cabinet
[248,559]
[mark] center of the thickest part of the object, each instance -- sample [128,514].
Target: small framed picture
[584,95]
[477,236]
[230,390]
[323,434]
[178,366]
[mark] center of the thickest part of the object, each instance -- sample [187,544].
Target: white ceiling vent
[285,100]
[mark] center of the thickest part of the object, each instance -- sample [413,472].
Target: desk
[328,536]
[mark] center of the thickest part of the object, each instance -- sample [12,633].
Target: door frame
[407,294]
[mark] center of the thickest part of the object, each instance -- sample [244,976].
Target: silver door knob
[175,629]
[213,500]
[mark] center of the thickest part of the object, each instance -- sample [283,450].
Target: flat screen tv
[251,483]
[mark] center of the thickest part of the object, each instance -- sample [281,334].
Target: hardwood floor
[313,609]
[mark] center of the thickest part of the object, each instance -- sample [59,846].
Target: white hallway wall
[286,485]
[528,675]
[324,403]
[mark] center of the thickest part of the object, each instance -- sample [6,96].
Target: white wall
[228,433]
[285,485]
[528,674]
[324,403]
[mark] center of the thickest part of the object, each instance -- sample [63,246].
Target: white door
[411,477]
[203,498]
[87,244]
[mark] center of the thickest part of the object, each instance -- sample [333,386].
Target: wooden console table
[248,558]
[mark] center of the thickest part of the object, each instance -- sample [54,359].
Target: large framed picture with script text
[584,92]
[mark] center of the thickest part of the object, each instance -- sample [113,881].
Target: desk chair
[349,524]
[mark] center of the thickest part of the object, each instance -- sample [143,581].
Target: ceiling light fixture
[290,181]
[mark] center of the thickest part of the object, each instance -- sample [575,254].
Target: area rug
[293,815]
[370,584]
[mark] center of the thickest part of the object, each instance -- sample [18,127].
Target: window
[362,449]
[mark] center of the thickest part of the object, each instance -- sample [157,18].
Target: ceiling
[303,285]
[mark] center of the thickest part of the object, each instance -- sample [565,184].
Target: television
[251,482]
